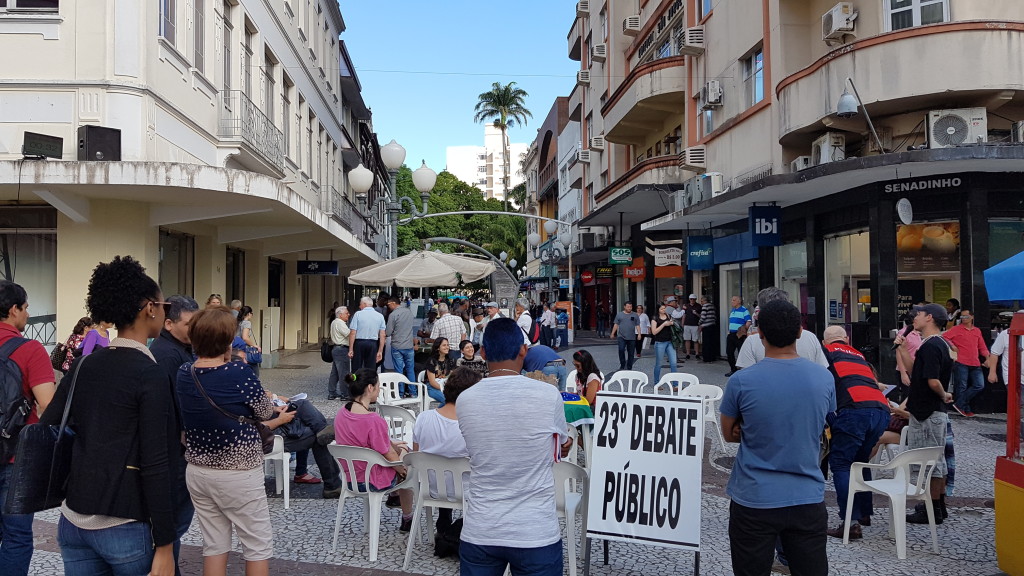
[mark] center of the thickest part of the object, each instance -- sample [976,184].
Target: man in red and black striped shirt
[861,416]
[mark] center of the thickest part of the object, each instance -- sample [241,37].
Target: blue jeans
[477,560]
[559,371]
[627,353]
[15,533]
[968,382]
[661,349]
[126,549]
[435,394]
[854,434]
[339,369]
[405,364]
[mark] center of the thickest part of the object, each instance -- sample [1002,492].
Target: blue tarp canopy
[1005,281]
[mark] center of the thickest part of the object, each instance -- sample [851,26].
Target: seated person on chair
[439,365]
[300,436]
[470,359]
[357,425]
[437,432]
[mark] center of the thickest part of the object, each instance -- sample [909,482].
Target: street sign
[317,267]
[587,276]
[648,455]
[620,255]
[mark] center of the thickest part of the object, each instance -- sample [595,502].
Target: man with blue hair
[510,516]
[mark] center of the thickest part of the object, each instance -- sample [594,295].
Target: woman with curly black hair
[118,515]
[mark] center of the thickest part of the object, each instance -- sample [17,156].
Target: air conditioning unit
[885,135]
[590,240]
[599,52]
[830,147]
[583,77]
[837,22]
[583,156]
[1017,133]
[691,41]
[951,128]
[801,163]
[709,185]
[711,95]
[631,25]
[694,158]
[583,8]
[685,196]
[597,142]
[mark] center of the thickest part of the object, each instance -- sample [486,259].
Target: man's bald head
[833,333]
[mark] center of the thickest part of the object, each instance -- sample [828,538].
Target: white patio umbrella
[423,270]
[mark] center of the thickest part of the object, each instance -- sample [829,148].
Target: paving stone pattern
[303,533]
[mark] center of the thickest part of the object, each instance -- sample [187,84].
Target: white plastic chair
[674,382]
[570,381]
[628,381]
[899,490]
[277,461]
[347,456]
[401,422]
[421,380]
[891,450]
[390,391]
[710,394]
[571,503]
[423,468]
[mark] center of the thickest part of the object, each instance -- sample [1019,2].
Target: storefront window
[1006,239]
[928,262]
[792,267]
[848,284]
[28,256]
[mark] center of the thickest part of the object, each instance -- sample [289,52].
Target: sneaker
[961,412]
[406,525]
[307,478]
[333,396]
[687,357]
[393,501]
[332,494]
[837,532]
[969,414]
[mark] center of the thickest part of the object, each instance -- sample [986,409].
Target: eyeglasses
[965,316]
[166,306]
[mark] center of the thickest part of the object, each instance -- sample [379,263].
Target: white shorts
[231,498]
[691,333]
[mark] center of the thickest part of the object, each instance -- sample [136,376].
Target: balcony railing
[42,328]
[241,119]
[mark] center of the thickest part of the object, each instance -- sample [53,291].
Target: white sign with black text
[645,482]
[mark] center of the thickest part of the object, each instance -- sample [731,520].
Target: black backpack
[14,406]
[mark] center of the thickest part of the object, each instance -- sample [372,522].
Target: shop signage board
[606,271]
[700,253]
[765,225]
[317,267]
[587,276]
[620,255]
[908,293]
[563,282]
[648,455]
[931,247]
[833,309]
[668,256]
[634,273]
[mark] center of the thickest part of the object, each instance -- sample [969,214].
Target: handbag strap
[71,394]
[235,417]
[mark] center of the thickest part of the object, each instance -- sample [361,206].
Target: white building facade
[482,166]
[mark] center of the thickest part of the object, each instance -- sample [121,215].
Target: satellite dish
[905,211]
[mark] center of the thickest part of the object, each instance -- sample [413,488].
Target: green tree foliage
[494,233]
[505,105]
[517,196]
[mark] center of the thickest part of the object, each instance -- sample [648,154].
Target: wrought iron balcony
[241,119]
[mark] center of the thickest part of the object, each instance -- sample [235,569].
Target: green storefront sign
[621,255]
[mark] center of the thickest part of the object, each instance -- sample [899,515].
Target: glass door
[738,279]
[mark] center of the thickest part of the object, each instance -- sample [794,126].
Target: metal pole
[871,125]
[393,214]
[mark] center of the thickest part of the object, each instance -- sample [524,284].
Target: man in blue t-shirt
[776,410]
[739,322]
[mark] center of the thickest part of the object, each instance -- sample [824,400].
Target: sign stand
[637,439]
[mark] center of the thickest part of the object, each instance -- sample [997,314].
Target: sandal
[307,478]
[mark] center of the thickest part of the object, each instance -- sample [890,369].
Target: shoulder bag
[266,434]
[42,463]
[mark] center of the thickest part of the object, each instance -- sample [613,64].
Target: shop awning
[1005,281]
[638,204]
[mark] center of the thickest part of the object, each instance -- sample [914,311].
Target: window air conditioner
[1018,132]
[837,22]
[951,128]
[583,156]
[694,158]
[801,163]
[583,77]
[599,52]
[583,8]
[686,196]
[830,147]
[631,25]
[711,95]
[691,41]
[710,185]
[597,142]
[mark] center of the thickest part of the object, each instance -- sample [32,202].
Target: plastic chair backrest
[926,458]
[570,381]
[628,381]
[564,472]
[389,387]
[347,456]
[429,470]
[709,392]
[400,421]
[677,380]
[421,377]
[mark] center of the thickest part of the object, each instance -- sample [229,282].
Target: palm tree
[505,105]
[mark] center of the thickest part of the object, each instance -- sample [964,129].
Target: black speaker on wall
[99,143]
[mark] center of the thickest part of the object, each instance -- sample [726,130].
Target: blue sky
[422,64]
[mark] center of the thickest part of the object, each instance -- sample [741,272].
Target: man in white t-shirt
[523,319]
[1001,349]
[510,516]
[807,345]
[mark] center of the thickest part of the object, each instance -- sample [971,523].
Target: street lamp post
[552,254]
[423,178]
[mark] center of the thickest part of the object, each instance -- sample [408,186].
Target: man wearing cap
[926,402]
[691,326]
[477,323]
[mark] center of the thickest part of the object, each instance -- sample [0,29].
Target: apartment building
[483,166]
[207,138]
[807,131]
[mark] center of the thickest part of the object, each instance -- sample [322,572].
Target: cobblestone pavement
[304,532]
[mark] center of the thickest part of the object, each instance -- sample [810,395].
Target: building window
[268,84]
[286,114]
[247,60]
[198,34]
[177,262]
[167,20]
[910,13]
[226,23]
[705,7]
[604,25]
[753,76]
[707,118]
[30,5]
